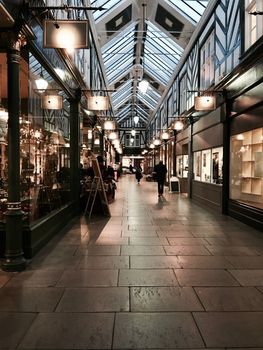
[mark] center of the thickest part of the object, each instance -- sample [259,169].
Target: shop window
[253,24]
[207,69]
[208,165]
[182,165]
[246,167]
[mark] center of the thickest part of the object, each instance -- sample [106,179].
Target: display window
[44,148]
[182,165]
[246,167]
[208,165]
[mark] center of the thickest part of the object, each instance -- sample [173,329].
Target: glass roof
[133,50]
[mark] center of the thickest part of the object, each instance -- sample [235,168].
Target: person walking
[160,174]
[138,174]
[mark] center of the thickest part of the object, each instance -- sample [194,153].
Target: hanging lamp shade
[98,103]
[205,103]
[113,135]
[133,132]
[109,125]
[51,102]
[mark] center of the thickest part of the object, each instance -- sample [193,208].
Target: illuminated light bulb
[143,86]
[136,119]
[178,125]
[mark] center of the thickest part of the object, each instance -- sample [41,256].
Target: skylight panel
[107,4]
[190,9]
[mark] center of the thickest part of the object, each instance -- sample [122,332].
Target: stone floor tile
[35,278]
[186,250]
[156,330]
[112,241]
[88,278]
[246,262]
[73,331]
[110,299]
[141,234]
[154,262]
[147,277]
[204,262]
[185,241]
[27,299]
[148,241]
[230,298]
[233,250]
[99,250]
[172,233]
[141,228]
[4,279]
[231,329]
[207,278]
[142,250]
[13,326]
[248,277]
[104,262]
[59,262]
[151,299]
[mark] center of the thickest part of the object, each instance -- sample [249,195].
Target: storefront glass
[182,165]
[44,146]
[208,165]
[246,167]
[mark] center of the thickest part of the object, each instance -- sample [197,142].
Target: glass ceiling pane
[162,52]
[108,4]
[191,9]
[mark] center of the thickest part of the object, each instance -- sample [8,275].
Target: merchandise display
[246,167]
[208,165]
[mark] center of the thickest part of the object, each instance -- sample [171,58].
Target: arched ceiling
[143,39]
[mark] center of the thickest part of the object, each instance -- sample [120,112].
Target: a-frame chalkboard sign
[97,187]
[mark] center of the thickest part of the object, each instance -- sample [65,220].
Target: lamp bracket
[255,13]
[66,8]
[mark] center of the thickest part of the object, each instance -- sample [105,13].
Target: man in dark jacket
[160,174]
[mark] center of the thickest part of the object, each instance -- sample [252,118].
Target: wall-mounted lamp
[133,132]
[178,125]
[165,135]
[157,142]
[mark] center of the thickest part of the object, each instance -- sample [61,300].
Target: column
[74,150]
[190,162]
[14,260]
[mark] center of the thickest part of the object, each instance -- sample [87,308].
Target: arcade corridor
[159,274]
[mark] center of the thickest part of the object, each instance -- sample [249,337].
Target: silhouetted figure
[138,174]
[160,174]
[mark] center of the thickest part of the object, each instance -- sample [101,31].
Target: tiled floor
[159,274]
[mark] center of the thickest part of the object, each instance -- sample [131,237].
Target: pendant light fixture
[143,84]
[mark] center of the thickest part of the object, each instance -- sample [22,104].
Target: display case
[208,165]
[246,167]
